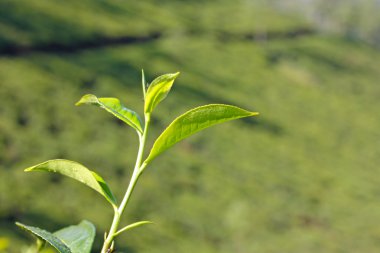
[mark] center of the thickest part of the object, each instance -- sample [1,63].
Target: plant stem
[139,167]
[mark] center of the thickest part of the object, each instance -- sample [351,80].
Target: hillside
[299,178]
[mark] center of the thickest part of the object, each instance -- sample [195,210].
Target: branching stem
[137,171]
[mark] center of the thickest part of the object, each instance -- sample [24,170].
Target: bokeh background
[302,177]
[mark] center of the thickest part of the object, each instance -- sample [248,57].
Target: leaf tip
[87,99]
[173,76]
[20,225]
[28,169]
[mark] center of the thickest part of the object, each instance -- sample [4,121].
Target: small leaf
[79,238]
[143,82]
[194,121]
[46,236]
[133,225]
[78,172]
[158,90]
[113,106]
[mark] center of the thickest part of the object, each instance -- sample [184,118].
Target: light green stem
[139,167]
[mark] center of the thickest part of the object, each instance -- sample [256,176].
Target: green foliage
[78,172]
[78,239]
[113,106]
[194,121]
[300,179]
[72,239]
[52,239]
[158,90]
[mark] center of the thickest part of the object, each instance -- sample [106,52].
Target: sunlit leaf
[143,82]
[53,240]
[194,121]
[78,238]
[78,172]
[113,106]
[158,90]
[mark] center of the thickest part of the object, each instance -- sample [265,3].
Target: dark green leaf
[78,172]
[48,237]
[194,121]
[113,106]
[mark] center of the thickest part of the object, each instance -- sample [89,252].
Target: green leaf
[194,121]
[158,90]
[143,82]
[79,238]
[46,236]
[133,225]
[78,172]
[113,106]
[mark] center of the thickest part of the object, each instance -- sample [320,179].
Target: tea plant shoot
[79,238]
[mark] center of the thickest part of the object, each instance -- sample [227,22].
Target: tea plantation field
[301,177]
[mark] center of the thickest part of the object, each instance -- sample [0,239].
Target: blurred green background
[302,177]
